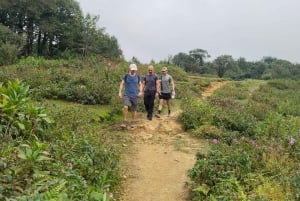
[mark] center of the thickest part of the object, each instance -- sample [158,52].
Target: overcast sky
[155,29]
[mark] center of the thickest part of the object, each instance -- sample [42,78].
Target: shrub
[196,114]
[18,116]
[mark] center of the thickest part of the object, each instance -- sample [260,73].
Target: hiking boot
[124,124]
[132,124]
[157,115]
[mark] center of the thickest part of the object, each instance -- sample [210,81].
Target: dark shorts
[131,102]
[165,96]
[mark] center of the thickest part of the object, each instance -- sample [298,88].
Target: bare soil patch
[160,156]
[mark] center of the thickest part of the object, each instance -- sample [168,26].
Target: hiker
[166,91]
[150,88]
[132,86]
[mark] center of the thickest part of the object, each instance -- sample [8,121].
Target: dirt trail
[161,155]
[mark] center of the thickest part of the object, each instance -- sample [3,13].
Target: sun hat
[132,67]
[164,69]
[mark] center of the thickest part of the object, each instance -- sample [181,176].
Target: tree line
[52,29]
[225,65]
[58,29]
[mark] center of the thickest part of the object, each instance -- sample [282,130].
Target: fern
[53,194]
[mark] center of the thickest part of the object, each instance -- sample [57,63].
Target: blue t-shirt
[131,85]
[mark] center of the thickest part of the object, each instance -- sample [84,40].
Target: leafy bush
[254,152]
[18,116]
[195,114]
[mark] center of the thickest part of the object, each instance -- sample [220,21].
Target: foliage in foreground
[41,159]
[254,137]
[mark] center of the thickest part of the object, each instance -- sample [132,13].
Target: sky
[156,29]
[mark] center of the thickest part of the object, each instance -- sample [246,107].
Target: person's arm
[121,88]
[140,89]
[144,84]
[173,85]
[158,86]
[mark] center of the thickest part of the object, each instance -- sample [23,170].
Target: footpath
[162,153]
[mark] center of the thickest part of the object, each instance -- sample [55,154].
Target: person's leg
[161,101]
[168,100]
[151,105]
[169,106]
[126,104]
[125,111]
[134,105]
[133,115]
[147,103]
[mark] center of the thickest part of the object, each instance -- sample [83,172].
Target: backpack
[125,78]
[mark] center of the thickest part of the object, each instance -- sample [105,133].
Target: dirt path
[160,158]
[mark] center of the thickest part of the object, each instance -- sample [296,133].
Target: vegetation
[225,66]
[52,29]
[56,122]
[59,77]
[253,132]
[54,153]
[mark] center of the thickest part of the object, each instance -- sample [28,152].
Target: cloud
[156,29]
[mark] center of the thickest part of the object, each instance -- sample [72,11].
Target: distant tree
[258,69]
[199,56]
[10,44]
[135,60]
[183,60]
[152,62]
[191,62]
[268,59]
[222,64]
[53,27]
[244,67]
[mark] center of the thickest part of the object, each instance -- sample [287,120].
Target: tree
[135,60]
[222,64]
[183,60]
[53,27]
[9,46]
[199,56]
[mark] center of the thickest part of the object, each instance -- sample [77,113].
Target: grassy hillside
[57,128]
[59,140]
[253,129]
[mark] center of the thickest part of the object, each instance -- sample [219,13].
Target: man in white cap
[132,86]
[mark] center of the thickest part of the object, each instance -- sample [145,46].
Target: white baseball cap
[132,67]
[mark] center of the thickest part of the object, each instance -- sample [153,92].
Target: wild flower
[111,195]
[215,141]
[70,166]
[292,141]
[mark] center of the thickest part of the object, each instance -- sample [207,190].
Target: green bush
[18,116]
[195,114]
[8,53]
